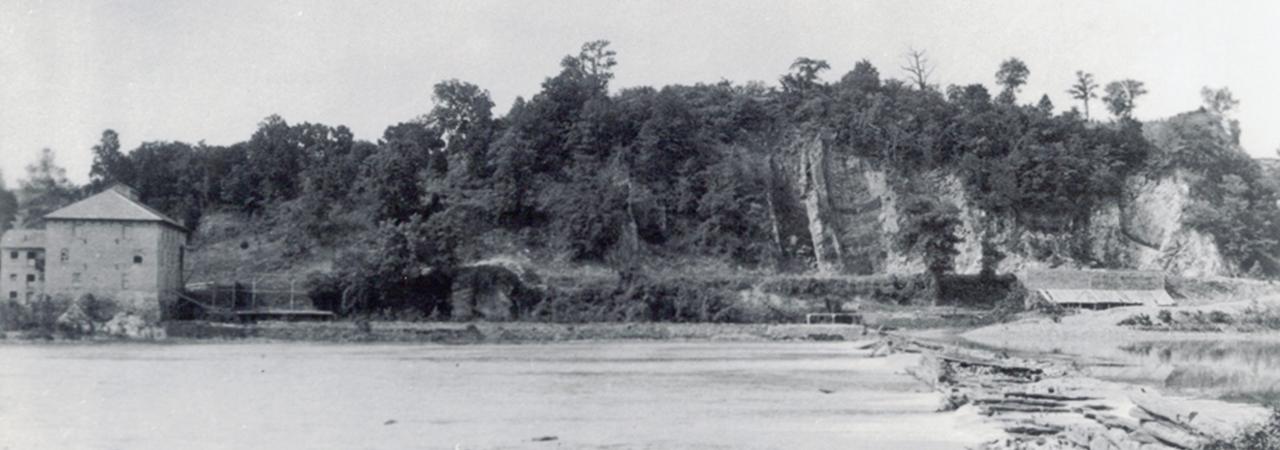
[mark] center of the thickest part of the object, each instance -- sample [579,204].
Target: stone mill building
[109,245]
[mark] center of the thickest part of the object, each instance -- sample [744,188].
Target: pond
[581,395]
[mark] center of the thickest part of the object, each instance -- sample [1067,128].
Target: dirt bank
[1097,335]
[509,332]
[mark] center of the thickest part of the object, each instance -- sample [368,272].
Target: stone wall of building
[171,256]
[113,259]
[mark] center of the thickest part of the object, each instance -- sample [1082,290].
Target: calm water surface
[1234,370]
[585,395]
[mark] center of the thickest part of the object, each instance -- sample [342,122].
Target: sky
[211,70]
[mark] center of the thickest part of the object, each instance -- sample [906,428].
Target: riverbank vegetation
[1255,317]
[587,173]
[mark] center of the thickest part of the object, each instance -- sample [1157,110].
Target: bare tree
[918,66]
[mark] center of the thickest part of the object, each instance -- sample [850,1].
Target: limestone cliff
[849,210]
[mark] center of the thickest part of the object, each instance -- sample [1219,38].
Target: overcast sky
[211,70]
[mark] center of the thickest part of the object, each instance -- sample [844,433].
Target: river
[573,395]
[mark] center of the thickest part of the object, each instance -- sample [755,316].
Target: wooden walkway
[289,315]
[256,314]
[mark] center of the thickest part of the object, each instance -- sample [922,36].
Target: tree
[1121,96]
[110,166]
[1012,75]
[1045,105]
[401,266]
[277,158]
[463,114]
[918,67]
[8,206]
[928,228]
[1219,101]
[973,97]
[1084,90]
[804,75]
[165,175]
[460,108]
[863,78]
[407,154]
[45,189]
[594,64]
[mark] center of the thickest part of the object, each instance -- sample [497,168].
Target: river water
[1240,370]
[577,395]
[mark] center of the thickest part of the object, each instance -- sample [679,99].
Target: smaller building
[1096,289]
[22,265]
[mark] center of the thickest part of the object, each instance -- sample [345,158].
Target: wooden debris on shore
[1209,418]
[1046,405]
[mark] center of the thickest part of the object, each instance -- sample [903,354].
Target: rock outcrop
[496,289]
[848,208]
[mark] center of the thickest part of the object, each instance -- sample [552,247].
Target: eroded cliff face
[842,199]
[850,209]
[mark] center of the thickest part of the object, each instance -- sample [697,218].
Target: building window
[137,259]
[13,295]
[31,255]
[13,255]
[31,277]
[13,277]
[65,255]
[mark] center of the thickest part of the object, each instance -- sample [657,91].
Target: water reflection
[1235,370]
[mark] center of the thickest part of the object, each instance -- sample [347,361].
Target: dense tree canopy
[597,175]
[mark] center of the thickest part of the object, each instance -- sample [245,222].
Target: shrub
[13,316]
[890,289]
[98,309]
[1220,317]
[1137,320]
[1165,316]
[1264,317]
[980,291]
[325,291]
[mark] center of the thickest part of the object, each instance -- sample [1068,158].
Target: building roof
[118,203]
[1132,280]
[1107,297]
[22,239]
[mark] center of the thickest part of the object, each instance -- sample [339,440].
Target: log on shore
[1057,397]
[1174,435]
[1216,419]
